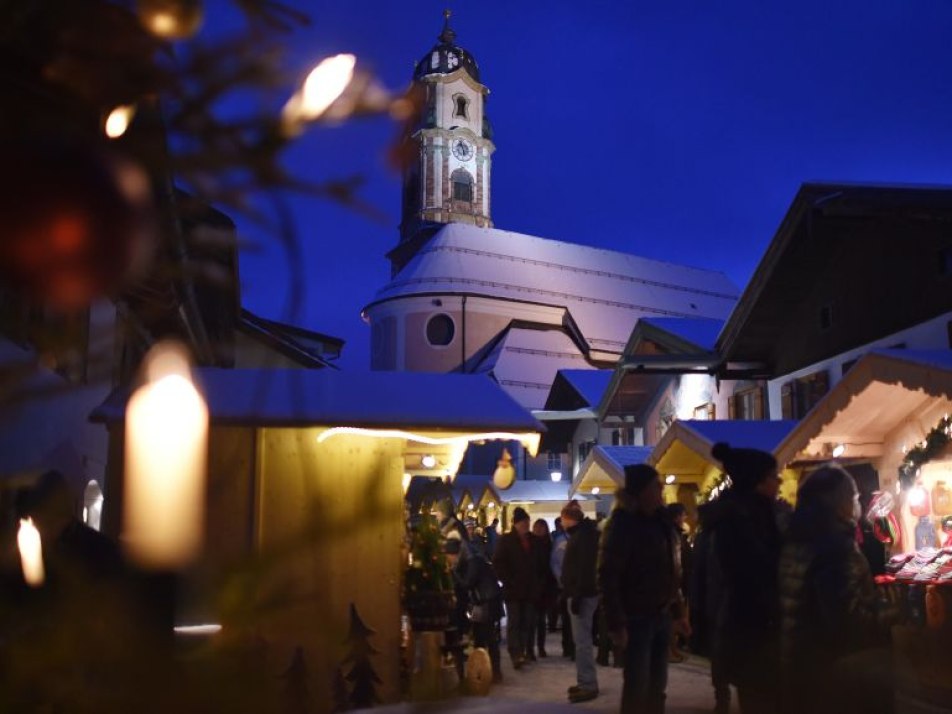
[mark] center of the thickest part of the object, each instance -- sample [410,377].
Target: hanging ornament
[504,475]
[171,19]
[76,223]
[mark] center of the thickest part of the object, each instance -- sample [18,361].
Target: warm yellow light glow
[407,478]
[323,86]
[529,440]
[31,553]
[491,505]
[670,479]
[163,24]
[166,446]
[595,490]
[119,120]
[193,630]
[428,461]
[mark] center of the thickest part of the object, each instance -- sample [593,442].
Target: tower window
[440,330]
[461,106]
[462,186]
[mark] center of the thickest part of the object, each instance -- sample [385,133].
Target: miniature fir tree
[427,570]
[362,677]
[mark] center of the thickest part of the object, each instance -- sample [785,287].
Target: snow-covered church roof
[604,291]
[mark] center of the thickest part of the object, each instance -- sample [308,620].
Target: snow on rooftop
[533,491]
[699,331]
[525,363]
[298,397]
[589,383]
[623,456]
[748,434]
[605,291]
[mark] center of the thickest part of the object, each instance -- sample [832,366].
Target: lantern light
[595,490]
[31,553]
[838,451]
[670,479]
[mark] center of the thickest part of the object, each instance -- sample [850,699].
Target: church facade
[465,296]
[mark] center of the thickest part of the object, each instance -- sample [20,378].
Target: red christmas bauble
[75,222]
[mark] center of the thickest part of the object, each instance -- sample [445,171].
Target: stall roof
[685,448]
[883,390]
[534,491]
[297,398]
[590,384]
[604,467]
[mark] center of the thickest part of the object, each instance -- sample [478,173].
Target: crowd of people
[781,600]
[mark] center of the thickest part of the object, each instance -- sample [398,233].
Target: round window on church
[440,330]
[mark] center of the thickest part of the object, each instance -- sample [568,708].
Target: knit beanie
[746,467]
[637,477]
[519,514]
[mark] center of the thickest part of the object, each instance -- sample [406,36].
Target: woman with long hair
[835,627]
[548,591]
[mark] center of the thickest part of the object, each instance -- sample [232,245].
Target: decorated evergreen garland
[926,450]
[714,488]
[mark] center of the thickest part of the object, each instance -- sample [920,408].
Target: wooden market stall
[692,475]
[891,411]
[304,527]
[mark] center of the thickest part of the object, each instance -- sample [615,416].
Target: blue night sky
[678,130]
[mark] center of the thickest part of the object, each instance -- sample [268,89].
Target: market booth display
[693,476]
[304,524]
[891,410]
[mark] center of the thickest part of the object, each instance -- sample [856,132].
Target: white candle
[31,553]
[165,462]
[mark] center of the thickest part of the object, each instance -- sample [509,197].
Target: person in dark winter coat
[520,565]
[834,635]
[639,572]
[705,593]
[580,588]
[476,578]
[746,551]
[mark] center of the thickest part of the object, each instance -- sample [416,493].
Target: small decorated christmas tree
[427,570]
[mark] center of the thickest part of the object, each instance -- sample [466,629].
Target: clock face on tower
[462,149]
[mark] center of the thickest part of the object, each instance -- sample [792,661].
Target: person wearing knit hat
[745,552]
[639,575]
[521,565]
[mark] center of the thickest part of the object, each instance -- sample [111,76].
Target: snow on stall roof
[699,331]
[929,358]
[589,383]
[298,397]
[525,363]
[623,456]
[760,434]
[605,291]
[521,491]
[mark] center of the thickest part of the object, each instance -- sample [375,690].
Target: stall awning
[604,467]
[373,400]
[882,391]
[685,448]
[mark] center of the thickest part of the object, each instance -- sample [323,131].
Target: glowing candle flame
[166,444]
[119,120]
[31,553]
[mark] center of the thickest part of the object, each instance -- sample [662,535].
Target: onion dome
[446,56]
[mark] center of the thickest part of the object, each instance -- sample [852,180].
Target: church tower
[448,179]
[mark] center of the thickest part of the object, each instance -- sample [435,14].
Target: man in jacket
[519,562]
[580,590]
[638,581]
